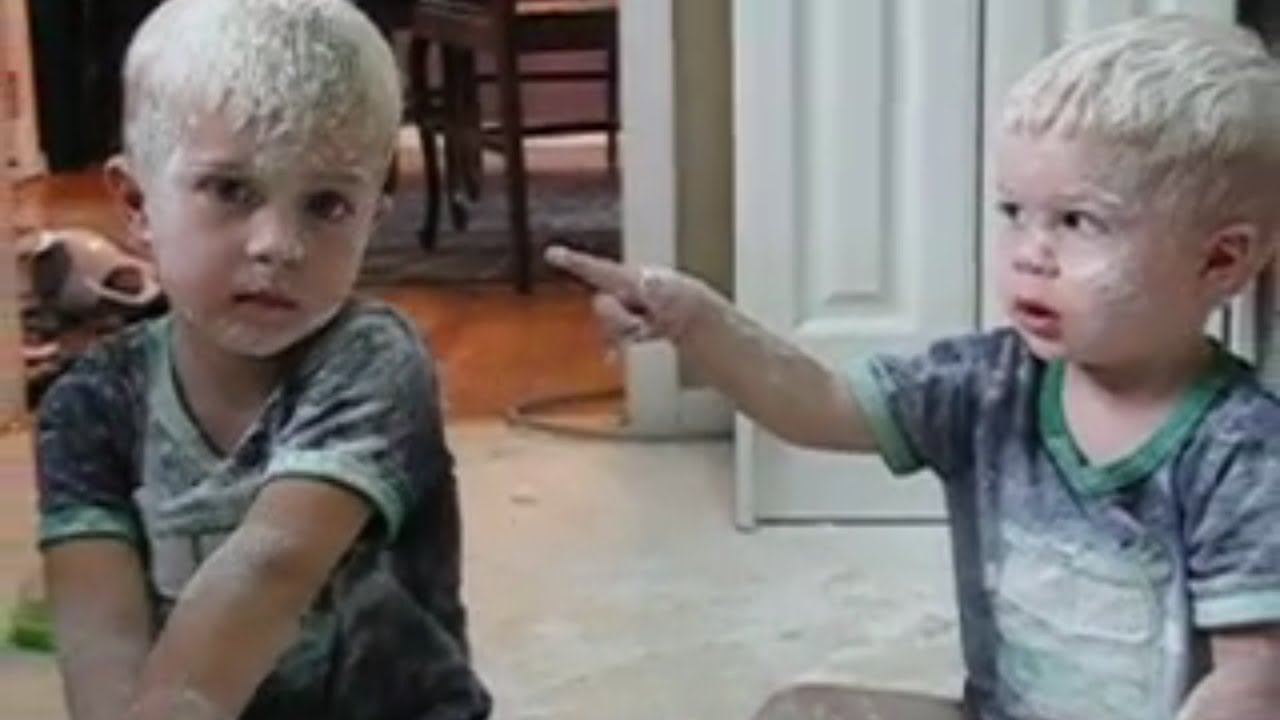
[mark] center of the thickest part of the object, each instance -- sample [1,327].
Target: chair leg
[473,177]
[424,120]
[456,134]
[517,180]
[611,87]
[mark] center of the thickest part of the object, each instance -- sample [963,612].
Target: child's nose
[275,239]
[1034,254]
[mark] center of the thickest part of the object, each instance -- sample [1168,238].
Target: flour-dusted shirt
[1086,591]
[120,456]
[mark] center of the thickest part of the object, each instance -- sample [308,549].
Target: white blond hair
[1191,107]
[286,69]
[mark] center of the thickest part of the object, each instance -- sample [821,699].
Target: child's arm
[90,535]
[1245,681]
[775,383]
[342,469]
[241,610]
[102,622]
[1230,514]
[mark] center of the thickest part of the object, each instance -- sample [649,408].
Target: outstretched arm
[784,389]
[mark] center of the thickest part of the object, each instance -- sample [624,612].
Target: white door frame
[23,156]
[657,403]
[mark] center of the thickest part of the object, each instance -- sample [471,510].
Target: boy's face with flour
[1131,176]
[1090,269]
[257,139]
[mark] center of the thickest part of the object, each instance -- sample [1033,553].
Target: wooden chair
[504,30]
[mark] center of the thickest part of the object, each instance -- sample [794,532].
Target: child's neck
[1148,380]
[1112,411]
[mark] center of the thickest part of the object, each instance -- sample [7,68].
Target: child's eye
[1083,222]
[1009,210]
[330,206]
[229,191]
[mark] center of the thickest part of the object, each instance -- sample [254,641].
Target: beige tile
[607,581]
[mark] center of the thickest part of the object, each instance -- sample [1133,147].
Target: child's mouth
[1038,319]
[266,300]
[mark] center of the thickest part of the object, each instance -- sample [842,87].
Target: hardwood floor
[494,348]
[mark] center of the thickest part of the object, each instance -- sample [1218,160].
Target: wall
[704,140]
[1264,16]
[12,375]
[704,143]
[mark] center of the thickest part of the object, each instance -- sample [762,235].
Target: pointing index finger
[604,275]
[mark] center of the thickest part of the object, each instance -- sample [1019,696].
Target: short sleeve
[923,408]
[1233,530]
[82,441]
[366,417]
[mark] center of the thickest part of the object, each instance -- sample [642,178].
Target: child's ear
[1235,254]
[128,193]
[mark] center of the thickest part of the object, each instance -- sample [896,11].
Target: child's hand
[636,305]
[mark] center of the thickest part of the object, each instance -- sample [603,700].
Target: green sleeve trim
[873,401]
[1245,608]
[86,521]
[336,468]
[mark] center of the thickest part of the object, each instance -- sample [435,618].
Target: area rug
[573,200]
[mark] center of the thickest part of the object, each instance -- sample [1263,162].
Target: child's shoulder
[368,349]
[1247,413]
[371,320]
[365,331]
[1000,352]
[114,361]
[1238,432]
[1002,343]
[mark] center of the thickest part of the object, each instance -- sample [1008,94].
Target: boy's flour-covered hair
[1190,106]
[292,72]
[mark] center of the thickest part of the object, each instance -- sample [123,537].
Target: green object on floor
[30,627]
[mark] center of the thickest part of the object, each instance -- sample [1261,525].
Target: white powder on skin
[268,66]
[102,662]
[668,305]
[181,704]
[305,88]
[253,341]
[240,562]
[1108,276]
[673,302]
[230,576]
[781,374]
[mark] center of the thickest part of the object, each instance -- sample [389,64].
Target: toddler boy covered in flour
[247,507]
[1112,476]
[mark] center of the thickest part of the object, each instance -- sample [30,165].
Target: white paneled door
[861,134]
[857,141]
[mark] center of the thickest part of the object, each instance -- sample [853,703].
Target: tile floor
[607,582]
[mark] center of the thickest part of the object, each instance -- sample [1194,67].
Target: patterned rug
[573,200]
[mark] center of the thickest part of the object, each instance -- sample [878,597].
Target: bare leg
[834,702]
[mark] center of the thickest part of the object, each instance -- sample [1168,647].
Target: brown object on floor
[504,30]
[834,702]
[494,348]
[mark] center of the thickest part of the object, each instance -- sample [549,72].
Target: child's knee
[814,702]
[833,702]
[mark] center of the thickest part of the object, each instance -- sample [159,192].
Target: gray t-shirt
[120,456]
[1086,591]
